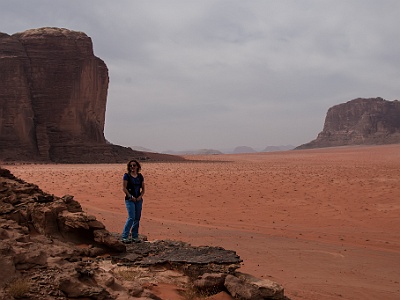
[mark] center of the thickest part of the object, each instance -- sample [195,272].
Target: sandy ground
[324,223]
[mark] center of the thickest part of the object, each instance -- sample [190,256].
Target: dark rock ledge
[51,249]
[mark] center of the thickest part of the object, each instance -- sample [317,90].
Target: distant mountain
[237,150]
[194,152]
[278,148]
[246,149]
[243,149]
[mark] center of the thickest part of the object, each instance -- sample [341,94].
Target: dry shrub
[19,288]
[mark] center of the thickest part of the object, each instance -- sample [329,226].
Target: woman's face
[133,166]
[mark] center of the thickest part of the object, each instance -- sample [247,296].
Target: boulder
[210,282]
[246,287]
[74,288]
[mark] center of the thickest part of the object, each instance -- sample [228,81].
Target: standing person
[133,187]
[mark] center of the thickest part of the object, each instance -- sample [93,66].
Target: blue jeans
[132,223]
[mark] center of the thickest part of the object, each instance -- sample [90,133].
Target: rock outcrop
[360,121]
[51,249]
[53,94]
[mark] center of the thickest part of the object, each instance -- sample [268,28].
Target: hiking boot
[126,241]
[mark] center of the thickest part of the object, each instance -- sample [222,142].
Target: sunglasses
[133,165]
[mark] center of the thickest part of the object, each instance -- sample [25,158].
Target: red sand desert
[324,223]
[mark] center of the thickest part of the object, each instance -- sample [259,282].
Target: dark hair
[128,165]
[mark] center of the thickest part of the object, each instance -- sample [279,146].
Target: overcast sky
[221,74]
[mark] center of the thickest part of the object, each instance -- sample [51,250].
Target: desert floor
[324,223]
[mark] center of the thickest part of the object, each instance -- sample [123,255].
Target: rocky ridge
[53,94]
[51,249]
[373,121]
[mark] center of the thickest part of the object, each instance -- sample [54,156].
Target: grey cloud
[266,71]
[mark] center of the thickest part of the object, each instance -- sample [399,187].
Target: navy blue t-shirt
[134,184]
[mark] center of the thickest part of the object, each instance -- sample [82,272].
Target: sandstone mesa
[373,121]
[53,94]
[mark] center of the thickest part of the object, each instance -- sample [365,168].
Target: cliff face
[17,128]
[360,121]
[53,94]
[68,87]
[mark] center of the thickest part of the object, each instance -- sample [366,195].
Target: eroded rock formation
[53,93]
[360,121]
[51,249]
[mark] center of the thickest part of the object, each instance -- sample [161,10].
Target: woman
[133,187]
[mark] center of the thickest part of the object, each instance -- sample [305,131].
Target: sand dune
[324,223]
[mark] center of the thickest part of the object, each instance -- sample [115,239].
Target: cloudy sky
[220,74]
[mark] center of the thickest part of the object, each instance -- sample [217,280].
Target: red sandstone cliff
[53,94]
[16,111]
[360,121]
[68,86]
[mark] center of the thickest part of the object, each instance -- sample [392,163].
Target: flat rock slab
[174,252]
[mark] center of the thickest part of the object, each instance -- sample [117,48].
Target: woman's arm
[125,188]
[141,192]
